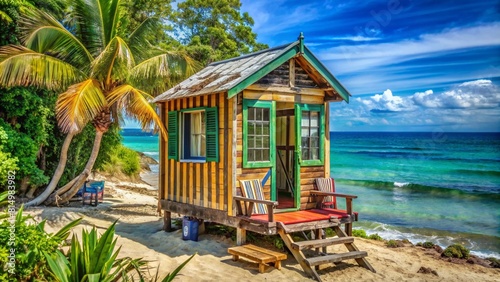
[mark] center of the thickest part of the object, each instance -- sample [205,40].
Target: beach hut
[248,141]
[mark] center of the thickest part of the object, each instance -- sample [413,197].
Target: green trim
[173,135]
[194,109]
[298,122]
[276,62]
[272,128]
[343,92]
[297,155]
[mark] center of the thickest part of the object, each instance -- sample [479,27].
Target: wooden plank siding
[308,174]
[206,184]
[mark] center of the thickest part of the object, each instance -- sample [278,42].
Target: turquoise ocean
[439,187]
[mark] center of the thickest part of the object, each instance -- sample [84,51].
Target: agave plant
[95,260]
[99,72]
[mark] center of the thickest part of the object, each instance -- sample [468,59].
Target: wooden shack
[261,116]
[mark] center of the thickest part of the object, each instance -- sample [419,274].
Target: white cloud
[470,106]
[368,56]
[473,94]
[387,102]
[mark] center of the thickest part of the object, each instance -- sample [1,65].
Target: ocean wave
[480,245]
[420,188]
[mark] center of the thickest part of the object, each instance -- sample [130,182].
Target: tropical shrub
[7,162]
[30,244]
[375,237]
[95,259]
[122,160]
[456,251]
[359,233]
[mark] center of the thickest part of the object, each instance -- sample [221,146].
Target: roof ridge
[255,53]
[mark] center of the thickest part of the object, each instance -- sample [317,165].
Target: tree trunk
[67,192]
[57,173]
[31,192]
[101,124]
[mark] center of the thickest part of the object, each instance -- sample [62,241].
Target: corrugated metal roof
[224,75]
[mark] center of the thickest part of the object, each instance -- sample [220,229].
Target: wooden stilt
[241,236]
[167,221]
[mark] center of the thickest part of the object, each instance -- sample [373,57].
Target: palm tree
[101,74]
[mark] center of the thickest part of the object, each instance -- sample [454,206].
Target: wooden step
[335,258]
[310,244]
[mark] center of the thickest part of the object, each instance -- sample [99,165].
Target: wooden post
[348,226]
[241,236]
[167,221]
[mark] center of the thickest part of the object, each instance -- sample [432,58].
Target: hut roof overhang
[236,74]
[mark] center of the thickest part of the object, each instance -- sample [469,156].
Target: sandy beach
[140,234]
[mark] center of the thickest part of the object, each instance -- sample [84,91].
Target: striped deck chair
[252,189]
[327,185]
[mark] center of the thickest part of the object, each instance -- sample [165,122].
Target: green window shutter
[173,135]
[212,134]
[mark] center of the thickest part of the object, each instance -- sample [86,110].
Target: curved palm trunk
[101,123]
[57,174]
[65,193]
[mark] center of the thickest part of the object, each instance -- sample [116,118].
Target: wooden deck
[303,216]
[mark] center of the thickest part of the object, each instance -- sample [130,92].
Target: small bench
[260,255]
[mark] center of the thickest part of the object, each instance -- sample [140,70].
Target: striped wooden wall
[308,174]
[208,184]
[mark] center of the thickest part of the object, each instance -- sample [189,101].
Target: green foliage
[375,237]
[138,11]
[30,244]
[392,244]
[95,259]
[359,233]
[427,245]
[122,160]
[456,251]
[330,233]
[81,148]
[215,30]
[7,162]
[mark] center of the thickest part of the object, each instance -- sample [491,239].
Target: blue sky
[410,65]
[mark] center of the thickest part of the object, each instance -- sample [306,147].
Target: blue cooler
[189,229]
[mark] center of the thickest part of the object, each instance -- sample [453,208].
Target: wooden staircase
[309,264]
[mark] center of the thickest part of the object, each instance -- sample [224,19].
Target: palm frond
[138,39]
[89,24]
[136,104]
[43,33]
[5,17]
[112,66]
[161,72]
[79,104]
[20,66]
[110,17]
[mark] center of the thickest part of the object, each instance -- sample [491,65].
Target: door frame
[298,144]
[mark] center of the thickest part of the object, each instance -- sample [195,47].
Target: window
[193,139]
[258,133]
[310,135]
[311,122]
[197,130]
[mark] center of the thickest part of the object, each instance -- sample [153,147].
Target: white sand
[140,235]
